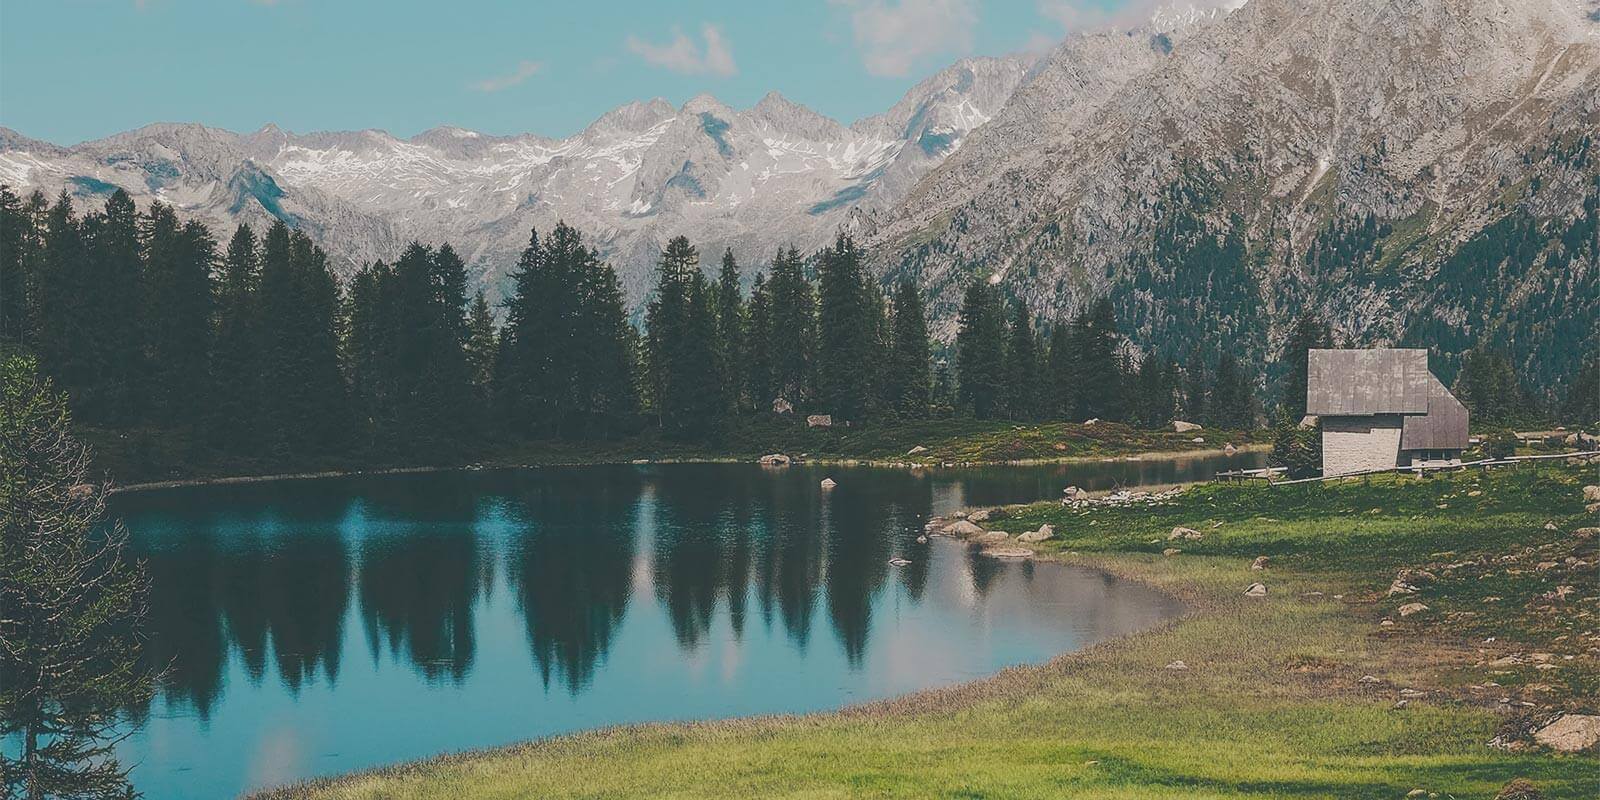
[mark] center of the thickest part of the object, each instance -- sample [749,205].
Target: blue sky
[72,70]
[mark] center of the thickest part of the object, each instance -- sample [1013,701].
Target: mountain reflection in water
[309,627]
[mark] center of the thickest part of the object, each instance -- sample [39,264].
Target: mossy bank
[1321,688]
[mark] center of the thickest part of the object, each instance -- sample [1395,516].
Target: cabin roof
[1444,427]
[1367,382]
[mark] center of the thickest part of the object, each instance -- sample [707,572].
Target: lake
[312,627]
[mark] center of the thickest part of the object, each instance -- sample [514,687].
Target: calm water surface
[315,627]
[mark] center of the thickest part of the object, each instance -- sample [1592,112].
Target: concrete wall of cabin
[1359,444]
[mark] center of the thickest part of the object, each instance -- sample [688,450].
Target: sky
[72,70]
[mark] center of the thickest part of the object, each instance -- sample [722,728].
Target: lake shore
[230,480]
[170,458]
[1329,685]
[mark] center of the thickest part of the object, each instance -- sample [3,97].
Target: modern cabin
[1381,409]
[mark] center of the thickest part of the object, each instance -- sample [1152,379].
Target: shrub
[1500,444]
[1298,450]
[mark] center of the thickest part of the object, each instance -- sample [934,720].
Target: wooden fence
[1268,474]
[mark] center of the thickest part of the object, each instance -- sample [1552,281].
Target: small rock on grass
[1259,564]
[1171,551]
[1570,733]
[1519,789]
[1178,666]
[1256,590]
[1412,608]
[1182,533]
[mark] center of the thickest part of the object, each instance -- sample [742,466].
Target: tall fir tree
[114,277]
[178,314]
[1196,388]
[980,351]
[1020,369]
[758,351]
[16,239]
[303,400]
[680,343]
[483,342]
[1582,403]
[235,360]
[73,606]
[792,311]
[1310,333]
[607,394]
[1101,371]
[60,318]
[731,323]
[906,374]
[847,328]
[1232,401]
[1061,373]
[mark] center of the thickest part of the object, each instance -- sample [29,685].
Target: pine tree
[1582,404]
[1195,388]
[178,314]
[1100,372]
[680,343]
[731,346]
[61,317]
[906,373]
[1156,399]
[792,330]
[73,606]
[1061,371]
[1232,404]
[116,278]
[607,392]
[980,351]
[16,239]
[303,400]
[758,353]
[846,333]
[483,342]
[1020,370]
[1487,386]
[1309,333]
[235,367]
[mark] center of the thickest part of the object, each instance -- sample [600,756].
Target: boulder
[1586,533]
[1401,587]
[775,460]
[1182,533]
[782,406]
[1591,494]
[961,528]
[1178,666]
[1074,493]
[916,450]
[1198,440]
[1007,552]
[828,483]
[819,421]
[1180,426]
[1256,590]
[1259,564]
[992,537]
[1412,608]
[1570,733]
[981,515]
[1229,448]
[1044,532]
[1091,422]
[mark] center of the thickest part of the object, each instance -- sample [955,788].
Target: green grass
[1271,706]
[162,454]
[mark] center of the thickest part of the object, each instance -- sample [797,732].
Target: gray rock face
[1203,179]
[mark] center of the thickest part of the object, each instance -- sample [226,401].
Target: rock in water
[775,460]
[829,483]
[962,528]
[1570,733]
[898,562]
[1256,590]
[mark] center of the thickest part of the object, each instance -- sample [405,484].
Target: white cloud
[524,71]
[894,37]
[684,55]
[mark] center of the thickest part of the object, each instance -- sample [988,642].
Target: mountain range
[1419,172]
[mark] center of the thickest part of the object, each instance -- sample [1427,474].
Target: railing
[1268,473]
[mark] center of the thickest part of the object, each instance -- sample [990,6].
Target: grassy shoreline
[168,459]
[1275,701]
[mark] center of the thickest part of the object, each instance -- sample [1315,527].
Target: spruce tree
[1101,373]
[1061,374]
[235,361]
[906,373]
[791,335]
[16,235]
[1309,333]
[303,400]
[178,314]
[61,317]
[980,351]
[758,352]
[483,342]
[1232,402]
[846,333]
[1487,386]
[680,343]
[731,346]
[111,307]
[607,391]
[1196,388]
[72,606]
[1582,403]
[1020,371]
